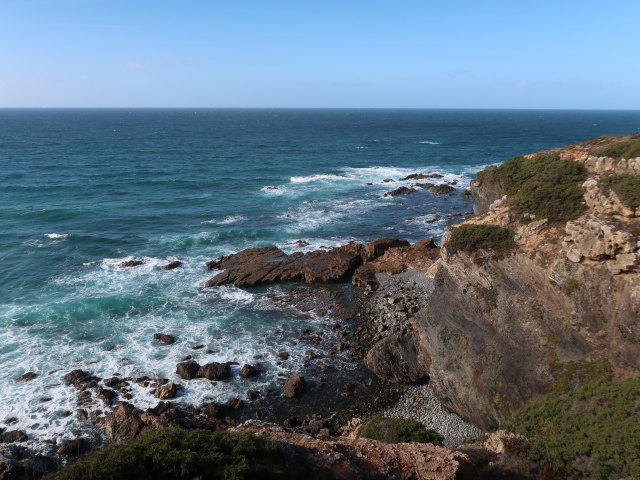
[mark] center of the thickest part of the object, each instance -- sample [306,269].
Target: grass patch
[627,187]
[571,285]
[588,432]
[624,149]
[545,186]
[179,454]
[398,430]
[470,238]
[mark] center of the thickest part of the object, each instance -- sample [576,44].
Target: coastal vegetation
[544,185]
[627,187]
[398,430]
[619,150]
[180,454]
[470,238]
[588,432]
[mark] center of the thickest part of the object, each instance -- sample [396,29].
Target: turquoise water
[83,190]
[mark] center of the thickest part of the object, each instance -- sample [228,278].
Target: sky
[561,54]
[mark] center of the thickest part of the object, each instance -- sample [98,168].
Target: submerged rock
[131,263]
[215,371]
[171,265]
[400,191]
[164,338]
[25,377]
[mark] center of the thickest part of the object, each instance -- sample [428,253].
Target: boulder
[164,338]
[168,391]
[25,377]
[80,379]
[235,403]
[188,370]
[123,423]
[399,359]
[73,447]
[293,386]
[131,263]
[171,265]
[13,436]
[248,371]
[400,191]
[215,371]
[212,409]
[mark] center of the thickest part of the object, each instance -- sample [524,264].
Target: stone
[80,379]
[168,391]
[188,370]
[25,377]
[131,263]
[164,338]
[574,255]
[73,447]
[248,371]
[171,265]
[215,371]
[235,403]
[13,436]
[212,409]
[283,355]
[400,191]
[123,423]
[293,386]
[399,358]
[253,394]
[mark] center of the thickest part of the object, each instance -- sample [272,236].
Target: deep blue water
[83,190]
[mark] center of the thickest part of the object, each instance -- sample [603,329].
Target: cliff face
[499,326]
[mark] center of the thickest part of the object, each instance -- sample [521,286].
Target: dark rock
[197,347]
[106,395]
[400,191]
[123,423]
[399,359]
[215,371]
[378,247]
[235,403]
[212,409]
[253,394]
[13,436]
[131,263]
[80,379]
[25,377]
[421,176]
[314,427]
[248,371]
[188,370]
[293,386]
[112,382]
[292,422]
[442,189]
[171,265]
[168,391]
[164,338]
[283,355]
[74,447]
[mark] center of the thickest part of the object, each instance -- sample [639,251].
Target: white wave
[362,147]
[226,221]
[319,177]
[273,190]
[429,142]
[56,236]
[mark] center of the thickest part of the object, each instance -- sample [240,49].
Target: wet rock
[292,422]
[442,189]
[112,382]
[25,377]
[253,394]
[80,379]
[400,191]
[248,371]
[171,265]
[13,436]
[74,447]
[168,391]
[123,423]
[188,370]
[283,355]
[164,338]
[215,371]
[131,263]
[106,395]
[235,403]
[421,176]
[293,386]
[212,409]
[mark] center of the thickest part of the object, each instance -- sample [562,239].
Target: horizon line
[331,108]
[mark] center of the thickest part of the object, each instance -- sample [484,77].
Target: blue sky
[405,54]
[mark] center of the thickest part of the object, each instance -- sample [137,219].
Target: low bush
[624,149]
[571,285]
[470,238]
[627,187]
[398,430]
[179,454]
[587,432]
[545,186]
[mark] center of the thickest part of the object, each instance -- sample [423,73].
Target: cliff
[501,323]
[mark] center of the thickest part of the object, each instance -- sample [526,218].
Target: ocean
[82,191]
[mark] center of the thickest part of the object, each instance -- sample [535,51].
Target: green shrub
[470,238]
[398,430]
[571,285]
[624,149]
[545,186]
[588,432]
[627,187]
[179,454]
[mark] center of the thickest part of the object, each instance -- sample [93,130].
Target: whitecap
[56,236]
[361,147]
[315,178]
[273,190]
[429,142]
[226,221]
